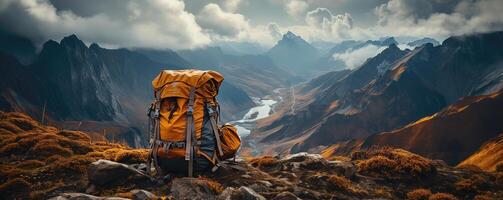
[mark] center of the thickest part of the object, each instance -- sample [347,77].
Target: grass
[388,163]
[442,196]
[265,161]
[37,160]
[419,194]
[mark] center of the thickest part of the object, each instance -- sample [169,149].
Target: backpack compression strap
[189,147]
[214,126]
[154,129]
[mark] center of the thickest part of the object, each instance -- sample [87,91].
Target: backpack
[183,124]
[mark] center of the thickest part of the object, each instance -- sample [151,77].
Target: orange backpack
[183,123]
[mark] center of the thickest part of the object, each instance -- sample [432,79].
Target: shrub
[265,161]
[482,197]
[212,185]
[343,184]
[389,162]
[74,135]
[30,164]
[47,148]
[131,156]
[419,194]
[14,189]
[473,184]
[442,196]
[499,167]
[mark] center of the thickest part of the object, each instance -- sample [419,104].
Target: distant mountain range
[70,82]
[394,89]
[294,53]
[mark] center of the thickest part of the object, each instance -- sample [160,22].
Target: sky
[177,24]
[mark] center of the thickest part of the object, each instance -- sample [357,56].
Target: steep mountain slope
[452,134]
[416,85]
[489,156]
[324,95]
[79,86]
[294,53]
[19,47]
[258,75]
[328,62]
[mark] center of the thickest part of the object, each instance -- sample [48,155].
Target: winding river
[263,109]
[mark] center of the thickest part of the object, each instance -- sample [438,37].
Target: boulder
[82,196]
[109,173]
[286,196]
[243,193]
[191,188]
[142,195]
[300,161]
[344,168]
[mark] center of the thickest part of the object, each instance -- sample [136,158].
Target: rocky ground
[40,162]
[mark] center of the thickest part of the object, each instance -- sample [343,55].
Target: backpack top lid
[177,83]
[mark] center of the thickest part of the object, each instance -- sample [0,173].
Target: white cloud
[221,23]
[231,5]
[274,30]
[156,24]
[353,58]
[296,8]
[438,19]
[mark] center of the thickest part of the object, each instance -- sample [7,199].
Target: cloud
[296,8]
[438,19]
[353,58]
[274,30]
[221,23]
[231,5]
[155,24]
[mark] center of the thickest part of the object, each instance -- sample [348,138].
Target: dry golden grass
[39,160]
[419,194]
[442,196]
[343,184]
[14,188]
[265,161]
[389,162]
[482,197]
[212,185]
[473,184]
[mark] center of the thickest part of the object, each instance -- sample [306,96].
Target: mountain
[19,47]
[93,88]
[328,62]
[322,98]
[422,41]
[294,53]
[43,162]
[489,157]
[386,94]
[241,48]
[452,134]
[258,75]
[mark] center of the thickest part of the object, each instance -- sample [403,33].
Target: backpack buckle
[190,110]
[156,113]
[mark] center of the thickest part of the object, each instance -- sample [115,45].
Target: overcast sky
[186,24]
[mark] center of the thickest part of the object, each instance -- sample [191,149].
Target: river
[264,108]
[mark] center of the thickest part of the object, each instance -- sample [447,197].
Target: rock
[191,188]
[344,168]
[108,173]
[298,162]
[82,196]
[286,196]
[143,195]
[243,193]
